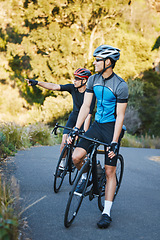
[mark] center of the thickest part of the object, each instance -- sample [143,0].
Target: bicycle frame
[93,169]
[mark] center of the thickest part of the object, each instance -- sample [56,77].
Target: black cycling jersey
[77,97]
[77,103]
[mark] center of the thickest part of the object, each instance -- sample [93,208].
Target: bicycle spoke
[74,206]
[75,198]
[101,197]
[119,173]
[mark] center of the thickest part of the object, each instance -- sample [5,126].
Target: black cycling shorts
[71,122]
[102,132]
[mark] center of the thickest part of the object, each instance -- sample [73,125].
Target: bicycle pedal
[91,195]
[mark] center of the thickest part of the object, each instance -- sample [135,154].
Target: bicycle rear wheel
[102,184]
[75,199]
[119,175]
[58,179]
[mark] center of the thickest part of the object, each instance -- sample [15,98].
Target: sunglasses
[99,59]
[78,79]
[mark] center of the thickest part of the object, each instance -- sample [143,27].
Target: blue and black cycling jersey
[109,91]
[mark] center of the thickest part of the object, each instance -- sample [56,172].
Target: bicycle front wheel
[75,199]
[59,176]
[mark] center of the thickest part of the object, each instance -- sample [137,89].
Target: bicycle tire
[119,175]
[59,180]
[73,171]
[101,197]
[75,199]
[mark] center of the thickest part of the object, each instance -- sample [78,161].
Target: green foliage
[54,108]
[40,134]
[130,141]
[9,220]
[132,119]
[143,113]
[136,92]
[140,142]
[5,148]
[14,137]
[150,107]
[47,41]
[37,45]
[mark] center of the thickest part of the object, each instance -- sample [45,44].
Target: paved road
[135,213]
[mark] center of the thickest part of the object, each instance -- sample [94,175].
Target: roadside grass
[14,137]
[140,142]
[11,224]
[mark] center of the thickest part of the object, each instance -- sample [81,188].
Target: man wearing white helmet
[111,92]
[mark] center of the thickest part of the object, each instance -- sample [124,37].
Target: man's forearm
[50,86]
[84,111]
[117,128]
[121,108]
[87,122]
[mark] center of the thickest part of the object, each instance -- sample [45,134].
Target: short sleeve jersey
[77,97]
[108,92]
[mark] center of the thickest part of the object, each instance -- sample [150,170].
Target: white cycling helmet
[107,51]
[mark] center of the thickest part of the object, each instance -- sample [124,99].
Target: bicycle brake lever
[55,129]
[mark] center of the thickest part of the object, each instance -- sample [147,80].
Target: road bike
[69,167]
[97,189]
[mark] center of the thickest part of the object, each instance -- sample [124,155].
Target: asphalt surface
[135,212]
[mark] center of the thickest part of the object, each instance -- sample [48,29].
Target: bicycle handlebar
[80,135]
[68,128]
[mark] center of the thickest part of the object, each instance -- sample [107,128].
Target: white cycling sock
[107,207]
[62,163]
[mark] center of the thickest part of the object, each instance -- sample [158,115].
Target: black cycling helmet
[82,73]
[105,52]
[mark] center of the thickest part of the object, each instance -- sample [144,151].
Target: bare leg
[78,157]
[109,195]
[64,138]
[63,162]
[111,182]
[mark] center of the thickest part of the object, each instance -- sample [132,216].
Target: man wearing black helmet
[112,95]
[77,91]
